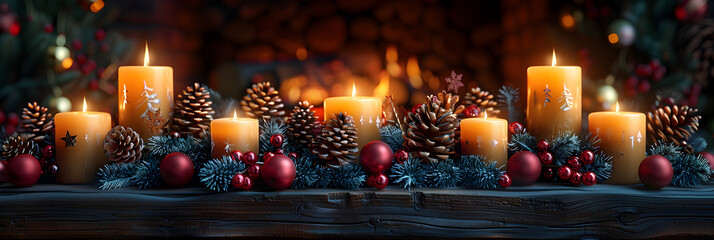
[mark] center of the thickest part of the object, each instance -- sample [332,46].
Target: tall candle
[234,134]
[554,100]
[79,137]
[623,137]
[487,137]
[145,97]
[366,112]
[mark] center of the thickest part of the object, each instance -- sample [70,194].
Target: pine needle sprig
[665,149]
[478,174]
[348,176]
[601,166]
[393,136]
[442,174]
[307,173]
[147,173]
[690,170]
[507,99]
[115,175]
[218,173]
[268,129]
[409,174]
[197,149]
[565,145]
[589,142]
[522,142]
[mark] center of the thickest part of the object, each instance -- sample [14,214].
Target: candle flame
[554,61]
[617,107]
[146,55]
[354,89]
[235,115]
[84,105]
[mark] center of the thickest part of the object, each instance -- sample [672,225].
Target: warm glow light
[354,89]
[235,114]
[568,21]
[383,88]
[391,55]
[613,38]
[485,114]
[146,55]
[301,53]
[554,61]
[67,63]
[617,107]
[84,105]
[96,6]
[414,72]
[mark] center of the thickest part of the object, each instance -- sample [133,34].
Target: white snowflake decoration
[454,81]
[566,98]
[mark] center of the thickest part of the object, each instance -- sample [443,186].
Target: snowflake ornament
[454,81]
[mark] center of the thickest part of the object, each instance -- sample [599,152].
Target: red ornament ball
[523,168]
[276,140]
[236,155]
[23,170]
[278,172]
[378,181]
[587,157]
[548,173]
[655,172]
[3,171]
[376,157]
[504,181]
[249,158]
[293,155]
[543,145]
[565,172]
[279,151]
[176,169]
[546,158]
[77,44]
[515,127]
[268,155]
[401,156]
[709,157]
[247,184]
[48,150]
[574,163]
[576,179]
[99,34]
[253,171]
[589,178]
[238,181]
[472,111]
[49,28]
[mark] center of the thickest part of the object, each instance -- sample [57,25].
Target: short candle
[485,136]
[234,134]
[366,112]
[623,137]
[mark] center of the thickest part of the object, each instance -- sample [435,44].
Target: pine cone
[36,122]
[672,124]
[337,144]
[430,132]
[13,146]
[262,102]
[302,124]
[193,111]
[123,145]
[482,99]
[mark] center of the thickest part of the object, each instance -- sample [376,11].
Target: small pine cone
[36,122]
[337,144]
[431,129]
[193,111]
[262,102]
[123,145]
[672,124]
[13,146]
[482,99]
[302,124]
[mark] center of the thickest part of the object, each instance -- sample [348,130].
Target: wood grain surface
[539,211]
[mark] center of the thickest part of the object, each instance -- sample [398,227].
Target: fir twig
[478,174]
[589,142]
[667,150]
[409,174]
[690,170]
[268,129]
[442,174]
[197,149]
[218,173]
[601,166]
[565,145]
[115,175]
[147,173]
[507,99]
[392,135]
[307,173]
[522,142]
[348,176]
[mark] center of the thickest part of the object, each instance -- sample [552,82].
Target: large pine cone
[36,122]
[13,146]
[302,124]
[262,102]
[672,124]
[193,111]
[431,129]
[337,144]
[484,100]
[123,145]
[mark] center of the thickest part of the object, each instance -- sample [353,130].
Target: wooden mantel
[540,211]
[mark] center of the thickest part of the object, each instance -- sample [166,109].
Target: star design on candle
[454,81]
[69,140]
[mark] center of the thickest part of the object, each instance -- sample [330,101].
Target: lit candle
[79,137]
[366,112]
[485,136]
[234,134]
[145,97]
[623,137]
[554,100]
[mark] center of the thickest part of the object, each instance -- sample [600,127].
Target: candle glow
[146,56]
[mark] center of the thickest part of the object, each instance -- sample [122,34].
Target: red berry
[504,181]
[175,134]
[92,64]
[247,184]
[659,74]
[94,84]
[401,156]
[564,172]
[644,86]
[632,81]
[49,28]
[587,157]
[99,34]
[268,155]
[104,47]
[515,127]
[13,119]
[546,158]
[77,44]
[415,107]
[48,150]
[81,59]
[589,178]
[14,29]
[543,145]
[548,173]
[249,158]
[236,155]
[643,70]
[238,181]
[576,178]
[279,151]
[472,111]
[276,140]
[655,64]
[293,155]
[378,181]
[253,171]
[574,163]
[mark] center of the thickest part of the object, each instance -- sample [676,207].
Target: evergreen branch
[589,142]
[442,174]
[667,150]
[507,99]
[522,142]
[601,166]
[218,173]
[348,176]
[147,173]
[197,149]
[690,170]
[267,130]
[565,145]
[409,174]
[392,135]
[307,173]
[115,175]
[478,174]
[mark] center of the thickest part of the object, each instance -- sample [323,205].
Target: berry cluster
[570,171]
[245,180]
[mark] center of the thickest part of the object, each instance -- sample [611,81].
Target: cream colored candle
[234,134]
[554,100]
[623,137]
[485,136]
[79,138]
[366,111]
[145,97]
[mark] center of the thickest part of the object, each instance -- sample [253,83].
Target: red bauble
[278,172]
[77,44]
[472,111]
[99,34]
[587,157]
[710,158]
[378,181]
[238,181]
[293,155]
[523,168]
[548,173]
[504,181]
[249,158]
[268,155]
[655,172]
[576,179]
[401,156]
[515,127]
[574,163]
[565,172]
[176,169]
[247,184]
[49,28]
[276,140]
[48,150]
[543,145]
[3,171]
[236,155]
[253,171]
[589,178]
[546,158]
[279,151]
[376,157]
[23,170]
